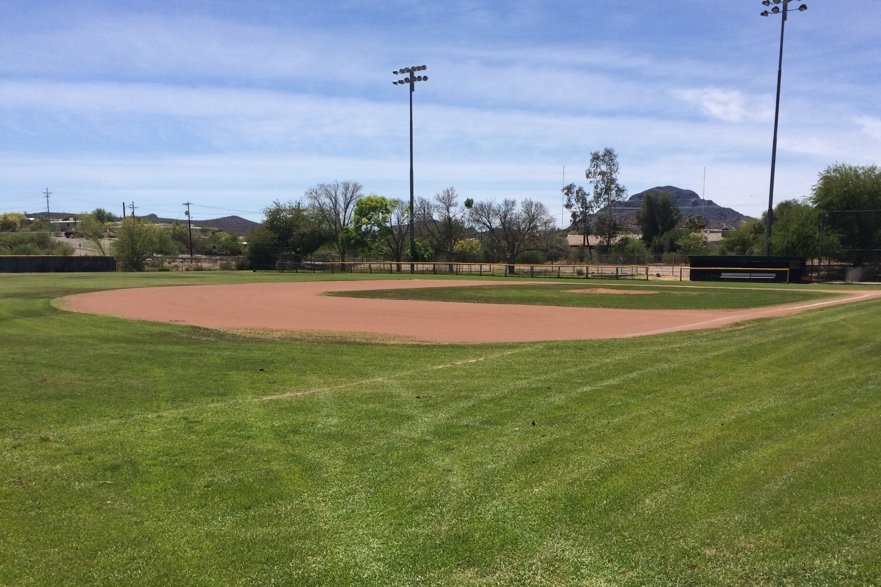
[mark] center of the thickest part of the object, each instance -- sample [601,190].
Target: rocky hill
[690,204]
[230,224]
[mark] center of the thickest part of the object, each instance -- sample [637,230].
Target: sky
[233,105]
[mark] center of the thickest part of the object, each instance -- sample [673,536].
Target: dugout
[748,268]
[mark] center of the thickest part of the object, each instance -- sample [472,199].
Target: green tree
[607,229]
[10,222]
[103,216]
[468,250]
[296,226]
[288,226]
[668,242]
[264,248]
[603,175]
[695,223]
[383,226]
[180,233]
[692,243]
[796,230]
[38,224]
[372,220]
[582,208]
[136,241]
[93,228]
[631,246]
[746,239]
[424,249]
[850,197]
[657,215]
[229,244]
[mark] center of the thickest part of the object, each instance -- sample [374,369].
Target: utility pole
[190,228]
[132,207]
[47,193]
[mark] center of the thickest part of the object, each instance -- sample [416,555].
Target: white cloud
[727,105]
[870,126]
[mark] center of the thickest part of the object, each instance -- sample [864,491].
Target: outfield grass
[606,295]
[134,453]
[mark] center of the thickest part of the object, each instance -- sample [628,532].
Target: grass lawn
[135,453]
[605,295]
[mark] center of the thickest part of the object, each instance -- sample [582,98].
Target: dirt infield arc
[303,307]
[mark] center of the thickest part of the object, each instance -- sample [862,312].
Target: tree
[441,217]
[10,221]
[692,243]
[94,228]
[334,205]
[103,216]
[264,248]
[607,228]
[850,197]
[468,250]
[695,223]
[582,208]
[383,223]
[424,249]
[631,247]
[136,241]
[796,230]
[508,230]
[179,232]
[296,226]
[372,220]
[657,215]
[229,243]
[746,239]
[603,174]
[287,227]
[38,224]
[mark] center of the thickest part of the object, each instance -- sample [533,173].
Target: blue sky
[231,105]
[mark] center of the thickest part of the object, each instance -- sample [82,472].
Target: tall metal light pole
[411,79]
[783,12]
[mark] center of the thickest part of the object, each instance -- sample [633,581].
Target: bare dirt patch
[302,307]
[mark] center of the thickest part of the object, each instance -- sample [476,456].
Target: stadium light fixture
[783,12]
[411,79]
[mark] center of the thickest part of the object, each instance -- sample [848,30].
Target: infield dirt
[303,307]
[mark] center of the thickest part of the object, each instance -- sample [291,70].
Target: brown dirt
[301,307]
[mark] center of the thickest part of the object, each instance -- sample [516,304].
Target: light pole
[411,79]
[783,12]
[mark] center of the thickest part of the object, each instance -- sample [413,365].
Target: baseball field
[738,443]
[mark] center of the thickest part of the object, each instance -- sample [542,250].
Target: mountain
[230,224]
[690,204]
